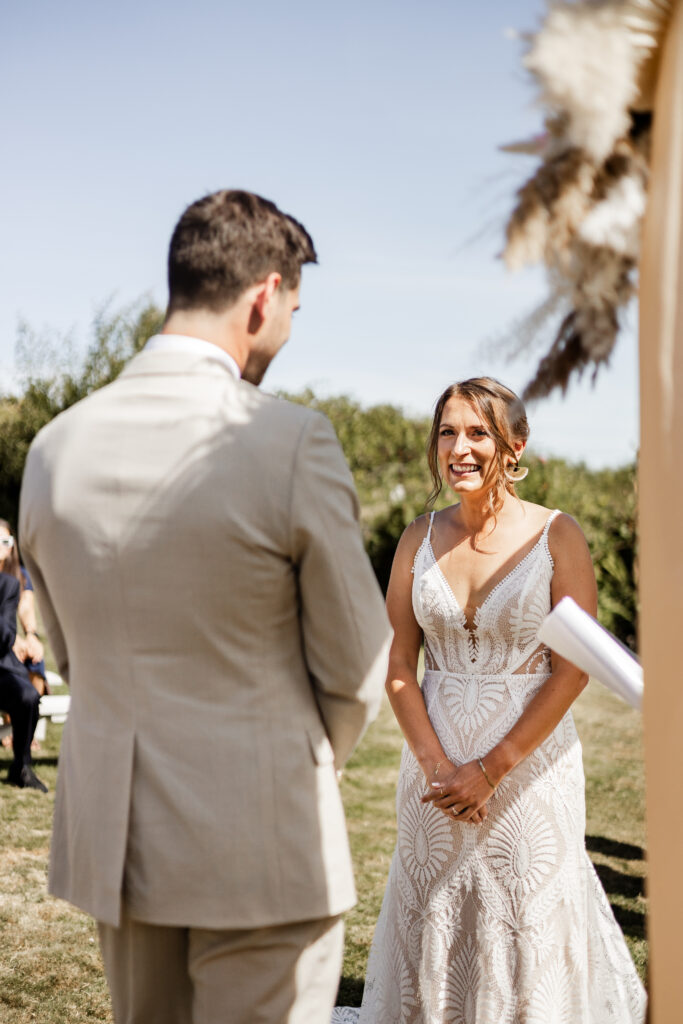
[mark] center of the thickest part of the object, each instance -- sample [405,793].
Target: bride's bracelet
[486,774]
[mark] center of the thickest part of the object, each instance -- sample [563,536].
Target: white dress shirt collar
[197,346]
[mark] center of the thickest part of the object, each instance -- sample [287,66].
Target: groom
[195,548]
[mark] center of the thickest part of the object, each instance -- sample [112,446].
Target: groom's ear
[267,289]
[261,297]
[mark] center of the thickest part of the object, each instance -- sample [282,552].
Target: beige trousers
[285,974]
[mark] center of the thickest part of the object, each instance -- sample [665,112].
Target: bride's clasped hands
[461,792]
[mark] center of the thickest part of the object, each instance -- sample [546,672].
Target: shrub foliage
[384,448]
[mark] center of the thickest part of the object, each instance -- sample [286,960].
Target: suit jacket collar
[171,362]
[195,346]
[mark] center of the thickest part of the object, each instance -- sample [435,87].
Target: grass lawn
[50,969]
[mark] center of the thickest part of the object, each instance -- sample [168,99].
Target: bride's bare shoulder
[536,515]
[565,537]
[408,546]
[415,532]
[565,532]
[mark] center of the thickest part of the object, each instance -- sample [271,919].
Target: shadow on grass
[37,757]
[611,848]
[45,759]
[614,882]
[350,992]
[631,922]
[619,883]
[4,781]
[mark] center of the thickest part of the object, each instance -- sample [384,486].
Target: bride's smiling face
[466,451]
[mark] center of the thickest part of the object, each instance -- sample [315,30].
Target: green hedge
[384,448]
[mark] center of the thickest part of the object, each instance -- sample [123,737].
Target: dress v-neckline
[472,628]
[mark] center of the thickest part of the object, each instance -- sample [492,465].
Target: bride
[492,913]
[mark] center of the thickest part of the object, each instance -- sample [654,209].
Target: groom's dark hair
[228,241]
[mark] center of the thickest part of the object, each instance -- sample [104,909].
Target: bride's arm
[573,575]
[402,685]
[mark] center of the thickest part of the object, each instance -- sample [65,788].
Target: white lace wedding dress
[504,922]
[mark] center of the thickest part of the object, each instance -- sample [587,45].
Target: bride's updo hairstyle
[503,413]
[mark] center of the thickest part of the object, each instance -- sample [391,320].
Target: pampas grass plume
[585,60]
[615,222]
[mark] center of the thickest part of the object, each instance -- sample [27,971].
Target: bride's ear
[513,471]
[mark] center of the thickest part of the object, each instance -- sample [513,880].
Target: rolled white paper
[576,636]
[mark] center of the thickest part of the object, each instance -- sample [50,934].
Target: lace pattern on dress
[519,602]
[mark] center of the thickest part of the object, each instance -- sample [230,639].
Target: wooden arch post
[661,530]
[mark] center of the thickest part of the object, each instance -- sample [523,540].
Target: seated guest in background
[18,696]
[32,645]
[28,649]
[34,657]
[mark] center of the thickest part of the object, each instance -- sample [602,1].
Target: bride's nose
[460,444]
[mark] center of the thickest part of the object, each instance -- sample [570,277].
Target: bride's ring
[455,813]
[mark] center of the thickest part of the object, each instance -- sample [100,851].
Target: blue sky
[376,124]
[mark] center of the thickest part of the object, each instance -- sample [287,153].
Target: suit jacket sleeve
[8,623]
[344,625]
[29,506]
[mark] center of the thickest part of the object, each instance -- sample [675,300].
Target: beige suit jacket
[196,555]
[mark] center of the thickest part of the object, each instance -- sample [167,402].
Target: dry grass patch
[50,970]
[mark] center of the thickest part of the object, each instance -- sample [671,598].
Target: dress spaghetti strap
[425,540]
[555,512]
[544,536]
[429,531]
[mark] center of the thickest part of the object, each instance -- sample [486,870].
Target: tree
[52,377]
